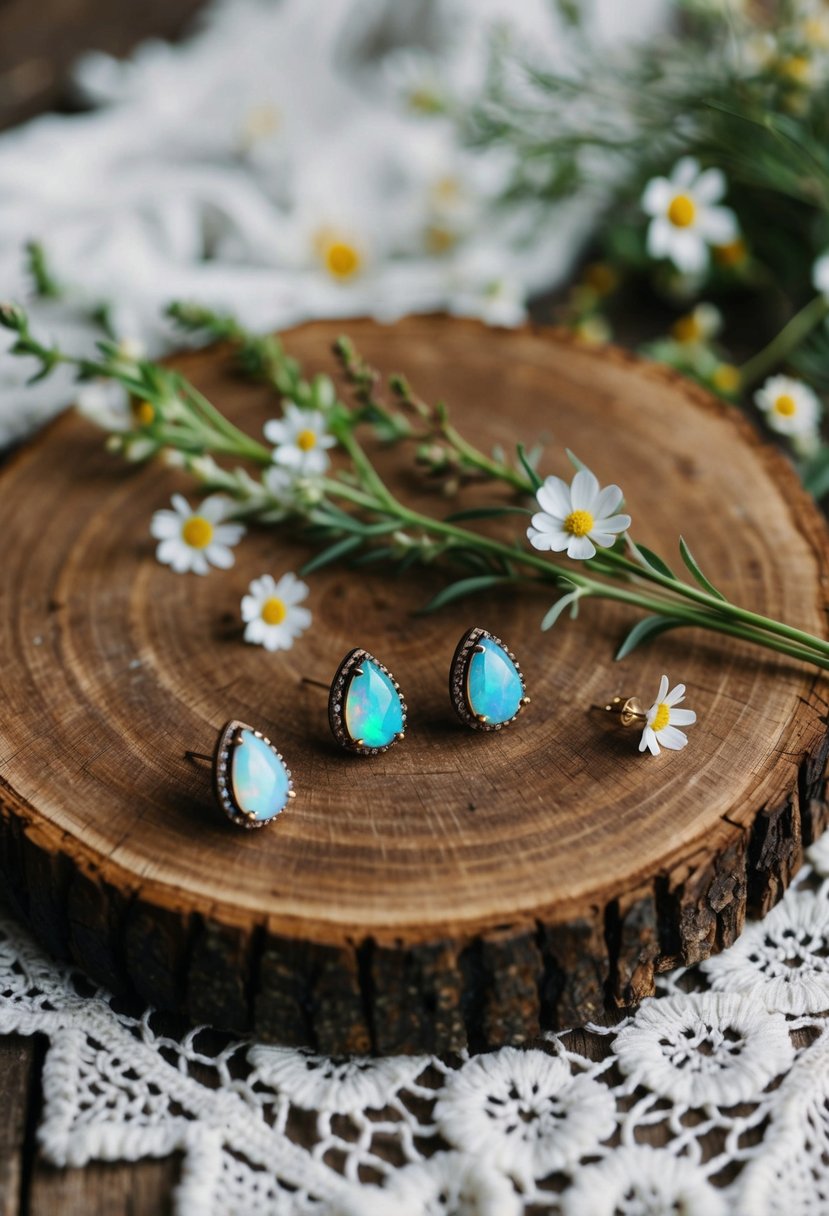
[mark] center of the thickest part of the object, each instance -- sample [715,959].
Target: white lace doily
[726,1071]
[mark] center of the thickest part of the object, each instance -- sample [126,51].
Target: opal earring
[365,709]
[251,782]
[485,682]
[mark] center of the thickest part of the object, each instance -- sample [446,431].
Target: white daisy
[340,252]
[820,274]
[301,439]
[663,718]
[577,517]
[196,540]
[686,220]
[273,612]
[790,406]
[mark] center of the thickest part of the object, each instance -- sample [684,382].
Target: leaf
[706,584]
[574,460]
[644,630]
[464,586]
[653,560]
[484,513]
[534,479]
[559,606]
[332,553]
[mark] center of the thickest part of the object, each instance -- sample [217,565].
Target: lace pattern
[713,1097]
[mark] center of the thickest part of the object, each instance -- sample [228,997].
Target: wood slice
[463,888]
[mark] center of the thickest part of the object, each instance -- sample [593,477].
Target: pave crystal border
[229,738]
[336,703]
[459,675]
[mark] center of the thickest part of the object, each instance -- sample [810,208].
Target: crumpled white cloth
[210,170]
[727,1070]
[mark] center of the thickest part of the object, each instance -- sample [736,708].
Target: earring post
[198,756]
[316,683]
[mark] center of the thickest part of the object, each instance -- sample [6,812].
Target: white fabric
[744,1064]
[210,168]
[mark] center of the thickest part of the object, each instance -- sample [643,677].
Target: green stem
[716,605]
[478,460]
[781,346]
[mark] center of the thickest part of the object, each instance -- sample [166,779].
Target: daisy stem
[478,460]
[718,606]
[787,340]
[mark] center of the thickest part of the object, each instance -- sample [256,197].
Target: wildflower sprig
[352,514]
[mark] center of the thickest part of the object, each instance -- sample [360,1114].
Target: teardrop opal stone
[493,685]
[259,778]
[373,712]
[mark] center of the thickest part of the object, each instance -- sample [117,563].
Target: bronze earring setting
[486,684]
[251,782]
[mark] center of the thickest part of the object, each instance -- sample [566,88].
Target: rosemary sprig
[353,513]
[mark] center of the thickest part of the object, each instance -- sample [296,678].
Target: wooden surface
[40,42]
[460,888]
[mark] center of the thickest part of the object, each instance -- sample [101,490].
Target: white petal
[580,548]
[278,637]
[660,238]
[198,562]
[554,497]
[181,505]
[288,456]
[718,225]
[326,441]
[229,534]
[664,685]
[615,523]
[547,541]
[607,502]
[172,552]
[215,508]
[674,697]
[710,186]
[584,491]
[315,461]
[685,171]
[262,587]
[546,523]
[605,540]
[165,524]
[648,740]
[251,607]
[275,431]
[672,738]
[682,717]
[255,631]
[219,556]
[657,196]
[688,250]
[291,589]
[820,274]
[300,619]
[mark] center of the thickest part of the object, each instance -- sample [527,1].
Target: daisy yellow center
[341,259]
[731,254]
[144,413]
[785,405]
[726,378]
[662,717]
[274,611]
[687,329]
[682,211]
[578,523]
[197,532]
[306,440]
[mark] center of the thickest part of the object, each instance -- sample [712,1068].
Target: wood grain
[40,42]
[461,889]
